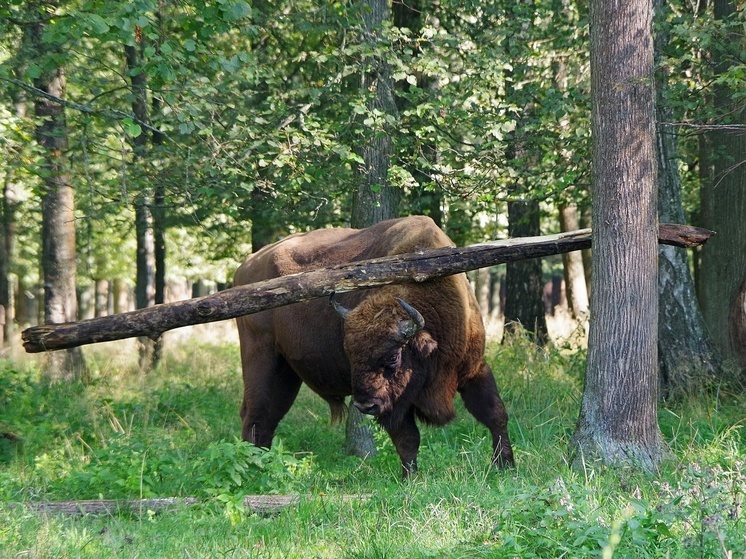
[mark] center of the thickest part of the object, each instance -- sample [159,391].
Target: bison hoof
[503,462]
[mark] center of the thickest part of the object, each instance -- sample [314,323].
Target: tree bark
[7,228]
[618,417]
[524,306]
[248,299]
[8,208]
[375,199]
[145,284]
[57,206]
[575,286]
[723,264]
[686,354]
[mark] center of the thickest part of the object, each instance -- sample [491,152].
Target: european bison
[402,351]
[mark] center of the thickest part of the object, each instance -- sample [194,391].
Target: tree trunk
[8,207]
[524,306]
[618,417]
[575,287]
[58,226]
[7,230]
[686,354]
[58,257]
[723,264]
[586,223]
[145,284]
[159,239]
[102,297]
[374,199]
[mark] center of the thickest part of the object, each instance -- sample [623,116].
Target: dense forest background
[148,146]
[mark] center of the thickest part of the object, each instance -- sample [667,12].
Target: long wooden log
[248,299]
[260,504]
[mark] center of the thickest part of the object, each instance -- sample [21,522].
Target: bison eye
[392,362]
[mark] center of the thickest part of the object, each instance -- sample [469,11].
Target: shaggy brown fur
[392,378]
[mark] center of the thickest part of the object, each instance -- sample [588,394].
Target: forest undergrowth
[174,433]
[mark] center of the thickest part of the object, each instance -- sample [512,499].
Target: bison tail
[337,408]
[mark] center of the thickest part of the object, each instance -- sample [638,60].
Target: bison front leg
[483,401]
[406,438]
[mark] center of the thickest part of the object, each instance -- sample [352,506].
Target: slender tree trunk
[374,199]
[159,240]
[102,297]
[8,206]
[145,285]
[524,285]
[618,417]
[575,287]
[686,354]
[523,280]
[723,264]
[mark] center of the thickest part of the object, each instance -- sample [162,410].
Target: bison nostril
[368,408]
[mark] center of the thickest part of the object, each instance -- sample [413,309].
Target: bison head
[386,344]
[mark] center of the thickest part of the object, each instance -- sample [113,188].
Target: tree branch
[284,290]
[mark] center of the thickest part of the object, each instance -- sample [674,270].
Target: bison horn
[341,309]
[408,328]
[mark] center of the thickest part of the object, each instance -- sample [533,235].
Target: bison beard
[401,351]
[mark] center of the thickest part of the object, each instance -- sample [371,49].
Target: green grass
[174,433]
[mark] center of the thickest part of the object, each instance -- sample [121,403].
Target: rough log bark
[249,299]
[260,504]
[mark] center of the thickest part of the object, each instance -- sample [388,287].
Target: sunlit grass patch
[174,432]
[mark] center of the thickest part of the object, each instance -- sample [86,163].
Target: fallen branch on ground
[260,504]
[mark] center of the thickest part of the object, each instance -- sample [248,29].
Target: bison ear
[424,343]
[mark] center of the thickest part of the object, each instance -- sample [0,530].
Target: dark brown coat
[395,367]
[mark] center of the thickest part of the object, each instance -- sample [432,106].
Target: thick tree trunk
[723,264]
[686,355]
[524,306]
[618,421]
[248,299]
[58,258]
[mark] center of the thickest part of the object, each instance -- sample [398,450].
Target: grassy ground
[173,433]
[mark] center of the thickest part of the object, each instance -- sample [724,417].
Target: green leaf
[238,11]
[97,24]
[131,127]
